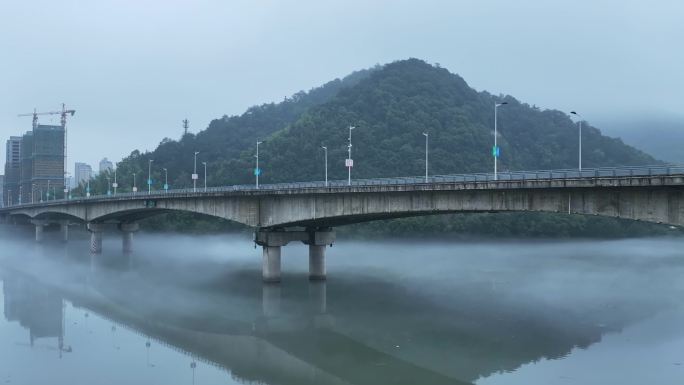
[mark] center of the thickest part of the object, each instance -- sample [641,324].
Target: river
[193,310]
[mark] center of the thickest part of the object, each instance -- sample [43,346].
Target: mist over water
[391,312]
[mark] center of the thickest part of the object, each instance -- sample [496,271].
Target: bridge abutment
[127,230]
[96,230]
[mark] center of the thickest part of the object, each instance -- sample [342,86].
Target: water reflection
[350,330]
[37,308]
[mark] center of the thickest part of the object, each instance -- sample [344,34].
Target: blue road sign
[166,186]
[149,181]
[257,171]
[495,151]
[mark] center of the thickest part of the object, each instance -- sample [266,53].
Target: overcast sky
[134,69]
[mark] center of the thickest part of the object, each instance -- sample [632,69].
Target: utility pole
[115,185]
[257,170]
[325,149]
[149,176]
[495,149]
[426,156]
[205,176]
[349,162]
[580,138]
[194,174]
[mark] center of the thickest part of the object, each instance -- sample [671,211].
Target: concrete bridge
[308,211]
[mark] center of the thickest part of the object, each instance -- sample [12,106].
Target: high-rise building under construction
[42,163]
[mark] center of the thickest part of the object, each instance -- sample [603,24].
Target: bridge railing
[558,174]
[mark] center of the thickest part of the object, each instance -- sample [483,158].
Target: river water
[193,310]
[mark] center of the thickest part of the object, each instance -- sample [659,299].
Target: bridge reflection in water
[348,331]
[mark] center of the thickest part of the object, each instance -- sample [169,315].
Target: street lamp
[205,176]
[257,170]
[115,185]
[495,149]
[580,137]
[87,190]
[135,188]
[149,176]
[109,190]
[426,155]
[349,162]
[194,174]
[325,149]
[33,193]
[166,180]
[20,193]
[48,191]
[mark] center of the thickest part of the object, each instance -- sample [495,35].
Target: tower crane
[63,121]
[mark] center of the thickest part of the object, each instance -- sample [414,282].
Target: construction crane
[63,121]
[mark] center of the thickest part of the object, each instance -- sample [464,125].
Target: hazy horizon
[611,60]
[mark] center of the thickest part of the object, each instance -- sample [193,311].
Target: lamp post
[109,190]
[135,188]
[48,191]
[194,174]
[257,170]
[33,193]
[426,155]
[205,176]
[325,150]
[87,190]
[166,180]
[495,150]
[580,137]
[115,185]
[149,176]
[349,162]
[20,193]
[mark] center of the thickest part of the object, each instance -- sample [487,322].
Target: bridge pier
[273,240]
[96,230]
[40,224]
[127,230]
[270,269]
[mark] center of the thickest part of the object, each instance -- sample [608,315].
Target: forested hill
[396,104]
[391,106]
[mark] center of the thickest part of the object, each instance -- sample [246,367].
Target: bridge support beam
[270,269]
[39,229]
[64,230]
[316,262]
[96,230]
[127,230]
[317,240]
[273,240]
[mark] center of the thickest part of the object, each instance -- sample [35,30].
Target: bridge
[309,211]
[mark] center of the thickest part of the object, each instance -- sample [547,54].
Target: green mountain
[390,106]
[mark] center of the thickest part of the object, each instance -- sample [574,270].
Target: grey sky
[134,69]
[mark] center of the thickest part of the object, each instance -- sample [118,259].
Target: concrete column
[271,264]
[317,262]
[40,224]
[64,229]
[96,230]
[127,230]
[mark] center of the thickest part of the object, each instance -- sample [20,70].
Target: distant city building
[82,172]
[106,165]
[42,163]
[10,189]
